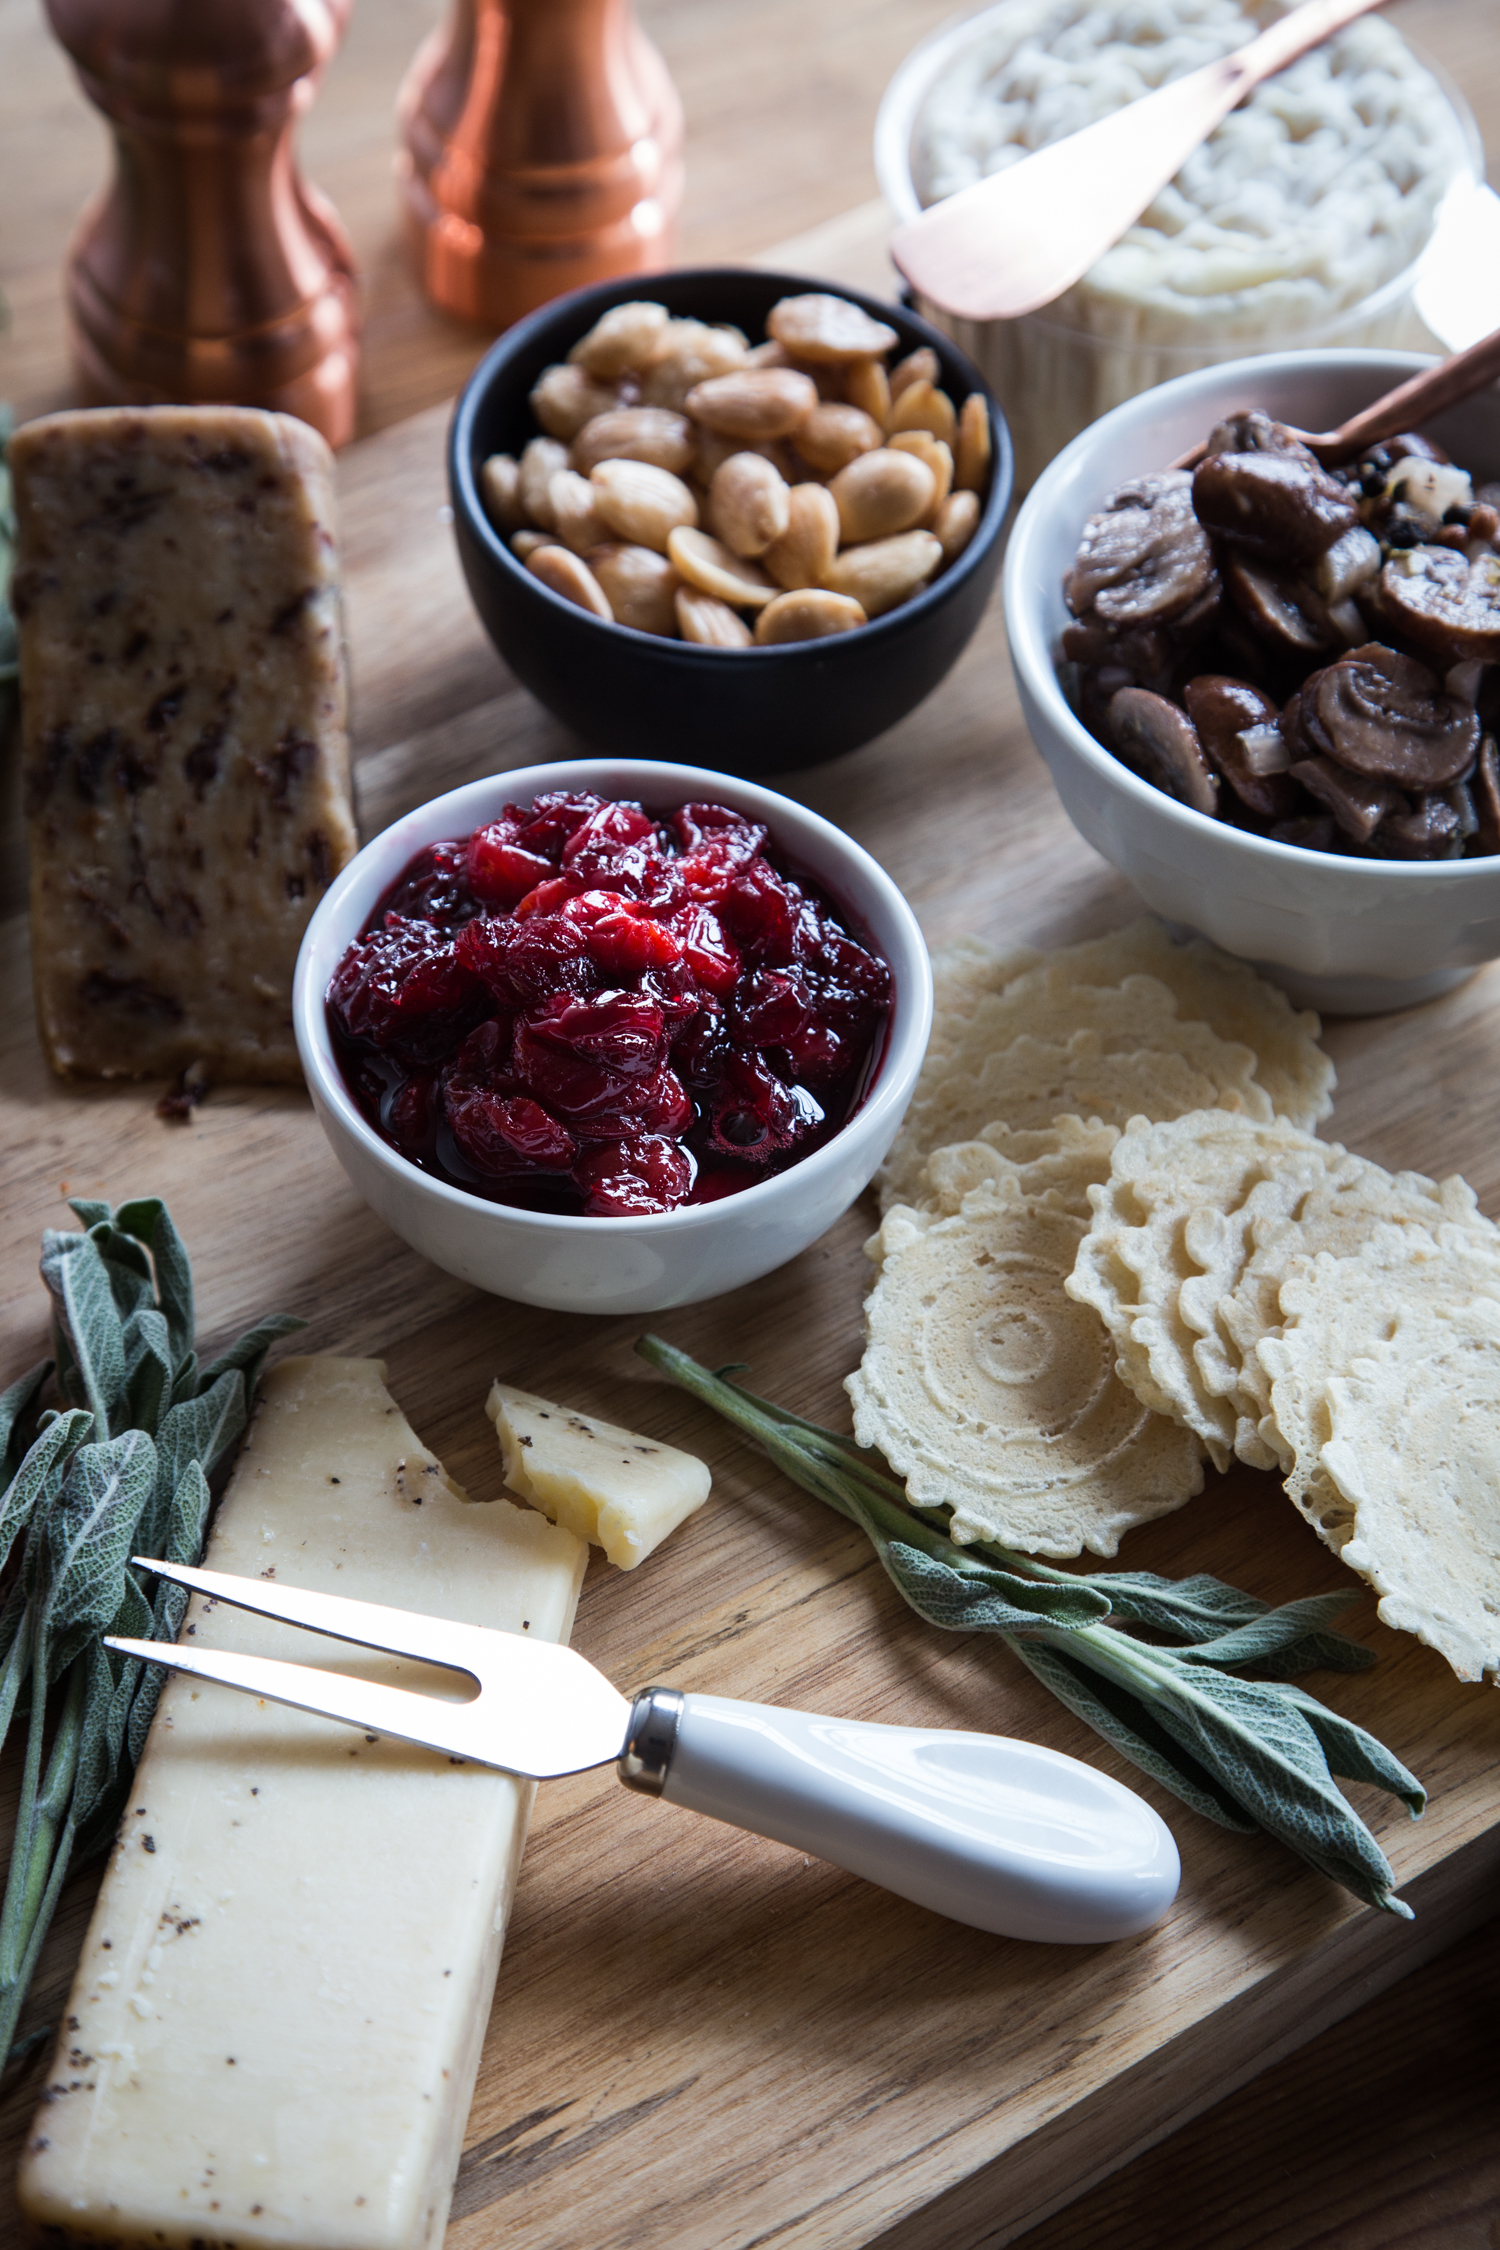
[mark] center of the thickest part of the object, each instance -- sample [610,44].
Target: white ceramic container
[1346,936]
[590,1265]
[1053,377]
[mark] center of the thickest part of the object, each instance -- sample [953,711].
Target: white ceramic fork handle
[1004,1835]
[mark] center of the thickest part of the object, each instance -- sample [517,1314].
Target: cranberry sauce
[588,1008]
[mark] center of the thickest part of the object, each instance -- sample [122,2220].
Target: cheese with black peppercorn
[184,725]
[275,2028]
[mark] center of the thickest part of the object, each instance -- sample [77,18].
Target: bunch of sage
[120,1468]
[1247,1752]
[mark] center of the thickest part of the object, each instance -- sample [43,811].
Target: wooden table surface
[698,2038]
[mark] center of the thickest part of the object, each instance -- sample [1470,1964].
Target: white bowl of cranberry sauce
[608,1036]
[1342,923]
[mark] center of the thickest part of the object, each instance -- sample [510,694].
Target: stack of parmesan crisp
[1112,1245]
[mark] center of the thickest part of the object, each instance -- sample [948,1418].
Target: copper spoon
[1010,243]
[1404,408]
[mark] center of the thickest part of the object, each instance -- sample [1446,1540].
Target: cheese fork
[1004,1835]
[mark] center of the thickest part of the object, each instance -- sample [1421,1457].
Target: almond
[750,503]
[882,493]
[716,569]
[810,614]
[803,553]
[971,460]
[886,572]
[641,503]
[922,406]
[759,402]
[826,328]
[626,337]
[708,621]
[832,436]
[639,585]
[565,397]
[635,433]
[570,576]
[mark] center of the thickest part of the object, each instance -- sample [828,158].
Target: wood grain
[701,2039]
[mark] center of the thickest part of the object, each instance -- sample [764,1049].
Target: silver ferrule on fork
[652,1737]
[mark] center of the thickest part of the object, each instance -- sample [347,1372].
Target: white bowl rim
[1032,655]
[908,1025]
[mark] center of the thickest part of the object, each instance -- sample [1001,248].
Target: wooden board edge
[1205,2063]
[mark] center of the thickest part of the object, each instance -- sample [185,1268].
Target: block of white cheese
[277,2018]
[620,1490]
[185,748]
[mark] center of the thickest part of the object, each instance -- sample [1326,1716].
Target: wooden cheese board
[702,2040]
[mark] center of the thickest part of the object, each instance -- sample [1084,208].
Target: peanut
[711,623]
[624,338]
[882,493]
[939,458]
[955,524]
[565,397]
[831,329]
[500,490]
[641,503]
[810,614]
[834,435]
[750,502]
[689,352]
[571,577]
[635,433]
[803,553]
[575,514]
[920,366]
[539,465]
[759,402]
[971,466]
[886,572]
[716,569]
[639,586]
[867,387]
[921,406]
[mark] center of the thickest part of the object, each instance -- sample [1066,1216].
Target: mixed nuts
[1310,653]
[691,485]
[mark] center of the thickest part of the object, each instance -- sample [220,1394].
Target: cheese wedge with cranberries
[621,1491]
[276,2024]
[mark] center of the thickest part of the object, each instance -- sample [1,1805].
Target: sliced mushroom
[1311,832]
[1446,605]
[1357,803]
[1277,506]
[1223,711]
[1430,830]
[1159,742]
[1144,559]
[1280,610]
[1251,431]
[1386,716]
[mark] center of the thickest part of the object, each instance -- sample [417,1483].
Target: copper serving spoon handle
[1404,408]
[1015,241]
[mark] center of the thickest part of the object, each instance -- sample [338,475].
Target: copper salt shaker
[541,149]
[207,270]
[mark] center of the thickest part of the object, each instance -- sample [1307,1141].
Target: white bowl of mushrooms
[1292,752]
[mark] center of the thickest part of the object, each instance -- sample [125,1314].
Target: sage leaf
[89,1214]
[148,1370]
[993,1601]
[248,1352]
[41,1464]
[88,1317]
[150,1223]
[128,1267]
[87,1538]
[1275,1632]
[15,1405]
[1355,1755]
[1125,1723]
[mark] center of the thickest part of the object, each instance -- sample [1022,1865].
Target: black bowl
[746,711]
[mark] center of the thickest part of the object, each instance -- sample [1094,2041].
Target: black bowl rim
[465,498]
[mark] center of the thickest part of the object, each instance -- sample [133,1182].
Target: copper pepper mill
[541,149]
[207,270]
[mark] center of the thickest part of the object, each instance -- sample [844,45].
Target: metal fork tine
[361,1703]
[400,1632]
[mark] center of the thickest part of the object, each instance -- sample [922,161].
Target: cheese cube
[622,1491]
[185,751]
[276,2023]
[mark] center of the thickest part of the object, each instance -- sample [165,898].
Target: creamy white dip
[1322,187]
